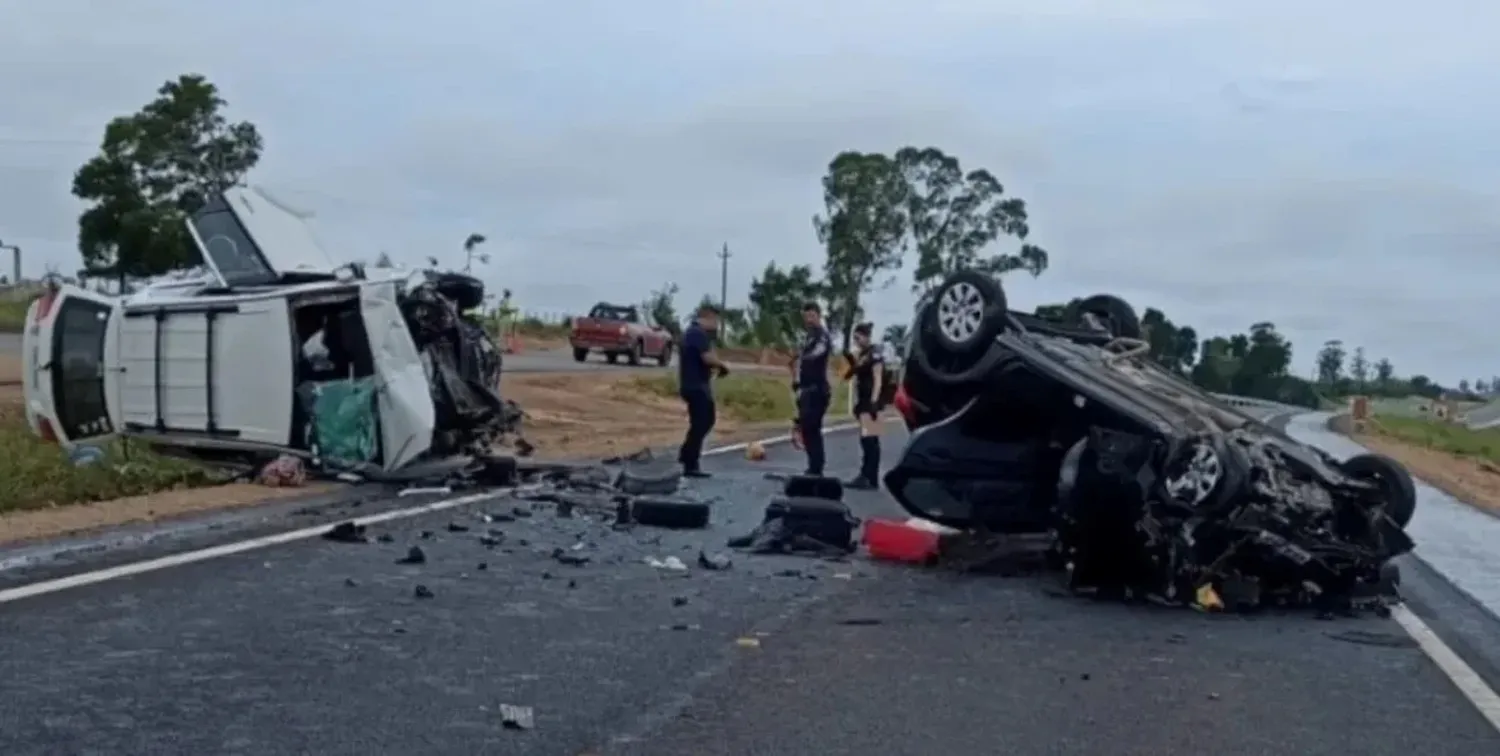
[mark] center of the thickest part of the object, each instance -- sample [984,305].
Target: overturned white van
[278,351]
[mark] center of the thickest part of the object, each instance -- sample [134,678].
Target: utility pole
[724,277]
[16,251]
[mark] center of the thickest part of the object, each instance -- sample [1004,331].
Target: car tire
[670,512]
[1117,314]
[665,358]
[611,357]
[967,313]
[637,351]
[580,355]
[1392,477]
[649,478]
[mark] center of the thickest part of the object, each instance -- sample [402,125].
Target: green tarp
[344,426]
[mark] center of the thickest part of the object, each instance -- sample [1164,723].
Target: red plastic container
[899,541]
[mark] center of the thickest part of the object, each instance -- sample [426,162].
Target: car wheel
[611,357]
[1109,311]
[1395,482]
[579,355]
[636,352]
[651,477]
[665,358]
[967,313]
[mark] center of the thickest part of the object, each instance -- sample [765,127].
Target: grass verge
[746,397]
[37,475]
[13,315]
[1450,438]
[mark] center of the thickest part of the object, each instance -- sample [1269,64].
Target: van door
[249,239]
[403,395]
[70,365]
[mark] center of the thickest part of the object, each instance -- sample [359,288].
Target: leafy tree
[471,256]
[1384,370]
[1481,387]
[863,230]
[1359,369]
[1055,311]
[154,168]
[953,216]
[661,308]
[1463,385]
[1331,363]
[776,299]
[1172,347]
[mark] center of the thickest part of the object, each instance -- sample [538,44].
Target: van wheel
[665,358]
[636,352]
[580,355]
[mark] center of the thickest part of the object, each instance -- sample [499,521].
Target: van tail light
[44,303]
[45,430]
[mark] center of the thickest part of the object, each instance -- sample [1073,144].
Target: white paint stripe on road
[239,547]
[1469,683]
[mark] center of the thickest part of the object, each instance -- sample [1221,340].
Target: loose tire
[670,512]
[1395,482]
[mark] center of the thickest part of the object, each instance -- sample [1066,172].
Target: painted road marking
[1470,685]
[239,547]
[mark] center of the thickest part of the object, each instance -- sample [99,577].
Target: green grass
[1452,438]
[13,315]
[747,397]
[37,475]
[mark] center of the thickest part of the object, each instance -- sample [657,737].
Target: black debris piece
[414,555]
[498,517]
[520,511]
[813,487]
[427,535]
[679,601]
[351,583]
[715,562]
[802,525]
[482,566]
[775,536]
[570,558]
[454,527]
[670,511]
[423,592]
[516,717]
[346,532]
[385,538]
[492,539]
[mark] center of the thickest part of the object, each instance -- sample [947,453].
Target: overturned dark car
[1149,486]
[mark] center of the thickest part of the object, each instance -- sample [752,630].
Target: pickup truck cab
[620,329]
[230,368]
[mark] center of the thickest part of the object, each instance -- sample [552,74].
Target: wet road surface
[322,648]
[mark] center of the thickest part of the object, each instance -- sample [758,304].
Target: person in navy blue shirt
[697,365]
[810,382]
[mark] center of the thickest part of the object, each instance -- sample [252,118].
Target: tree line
[881,212]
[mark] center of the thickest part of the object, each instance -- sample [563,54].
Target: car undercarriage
[1147,486]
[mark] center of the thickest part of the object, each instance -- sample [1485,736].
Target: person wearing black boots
[865,367]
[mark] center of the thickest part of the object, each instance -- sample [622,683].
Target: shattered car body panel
[254,362]
[1150,486]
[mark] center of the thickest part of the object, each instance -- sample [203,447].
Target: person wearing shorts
[866,372]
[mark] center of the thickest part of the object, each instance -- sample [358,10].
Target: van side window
[78,368]
[234,253]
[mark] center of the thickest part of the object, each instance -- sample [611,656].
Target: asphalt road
[318,647]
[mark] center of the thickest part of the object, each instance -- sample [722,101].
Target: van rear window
[78,368]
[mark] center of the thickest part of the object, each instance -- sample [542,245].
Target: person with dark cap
[810,384]
[865,368]
[697,364]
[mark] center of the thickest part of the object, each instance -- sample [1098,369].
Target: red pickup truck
[619,329]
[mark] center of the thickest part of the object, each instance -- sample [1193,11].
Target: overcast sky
[1328,166]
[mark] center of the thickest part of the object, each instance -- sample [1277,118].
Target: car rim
[961,312]
[1201,476]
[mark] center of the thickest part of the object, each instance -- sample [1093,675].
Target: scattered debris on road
[517,717]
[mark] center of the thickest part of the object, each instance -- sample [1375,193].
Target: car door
[403,394]
[70,365]
[249,239]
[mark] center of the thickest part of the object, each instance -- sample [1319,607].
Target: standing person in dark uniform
[866,369]
[810,382]
[696,366]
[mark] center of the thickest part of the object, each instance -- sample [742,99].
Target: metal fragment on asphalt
[517,717]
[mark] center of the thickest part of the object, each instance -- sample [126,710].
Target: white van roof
[247,238]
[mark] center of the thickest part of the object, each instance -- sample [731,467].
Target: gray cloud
[1227,162]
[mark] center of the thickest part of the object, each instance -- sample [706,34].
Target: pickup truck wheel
[580,355]
[1394,481]
[665,358]
[611,357]
[636,352]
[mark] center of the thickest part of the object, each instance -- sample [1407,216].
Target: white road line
[1469,683]
[239,547]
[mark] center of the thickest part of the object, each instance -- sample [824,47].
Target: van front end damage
[1223,521]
